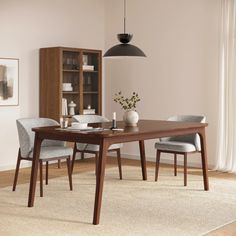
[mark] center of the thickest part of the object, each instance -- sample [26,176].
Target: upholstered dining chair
[92,148]
[179,145]
[50,149]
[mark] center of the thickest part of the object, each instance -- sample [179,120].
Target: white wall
[180,73]
[179,76]
[26,26]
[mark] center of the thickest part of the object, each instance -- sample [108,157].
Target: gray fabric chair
[92,148]
[179,144]
[50,149]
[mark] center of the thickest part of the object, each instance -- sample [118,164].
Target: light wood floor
[6,179]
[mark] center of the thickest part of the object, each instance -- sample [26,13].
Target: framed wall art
[9,82]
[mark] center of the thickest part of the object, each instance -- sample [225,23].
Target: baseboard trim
[165,160]
[24,164]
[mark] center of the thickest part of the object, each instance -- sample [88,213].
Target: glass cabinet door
[70,82]
[90,83]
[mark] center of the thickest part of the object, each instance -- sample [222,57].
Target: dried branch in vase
[127,103]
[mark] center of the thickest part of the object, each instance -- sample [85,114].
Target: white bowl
[78,125]
[67,87]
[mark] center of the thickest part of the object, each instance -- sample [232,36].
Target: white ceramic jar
[72,106]
[131,118]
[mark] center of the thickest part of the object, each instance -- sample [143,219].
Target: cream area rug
[130,206]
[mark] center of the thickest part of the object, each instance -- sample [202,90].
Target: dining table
[103,135]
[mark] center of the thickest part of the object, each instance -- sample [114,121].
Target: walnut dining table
[146,129]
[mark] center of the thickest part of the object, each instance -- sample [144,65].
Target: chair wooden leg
[41,177]
[82,155]
[73,158]
[175,164]
[69,172]
[59,164]
[185,169]
[17,171]
[158,155]
[119,162]
[46,173]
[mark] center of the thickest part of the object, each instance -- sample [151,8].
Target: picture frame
[9,82]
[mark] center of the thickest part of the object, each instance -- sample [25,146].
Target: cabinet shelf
[74,71]
[92,92]
[70,92]
[90,71]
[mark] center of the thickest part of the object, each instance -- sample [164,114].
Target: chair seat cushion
[95,148]
[53,151]
[175,146]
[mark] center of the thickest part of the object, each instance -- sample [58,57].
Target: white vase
[131,118]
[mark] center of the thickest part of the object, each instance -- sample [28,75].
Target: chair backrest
[26,135]
[192,138]
[89,119]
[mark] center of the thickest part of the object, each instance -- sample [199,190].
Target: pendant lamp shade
[124,49]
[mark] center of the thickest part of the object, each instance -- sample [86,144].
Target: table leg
[143,159]
[204,159]
[99,181]
[34,170]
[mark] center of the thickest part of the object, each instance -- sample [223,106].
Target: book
[64,109]
[88,67]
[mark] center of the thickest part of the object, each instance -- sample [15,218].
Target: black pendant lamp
[124,49]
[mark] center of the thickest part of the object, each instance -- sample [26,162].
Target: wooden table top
[162,127]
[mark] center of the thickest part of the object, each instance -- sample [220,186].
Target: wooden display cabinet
[80,69]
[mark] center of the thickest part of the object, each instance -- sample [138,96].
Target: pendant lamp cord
[124,16]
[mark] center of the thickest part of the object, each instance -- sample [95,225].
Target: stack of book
[89,111]
[64,108]
[88,67]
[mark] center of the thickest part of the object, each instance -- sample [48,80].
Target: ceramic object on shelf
[131,118]
[67,87]
[72,106]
